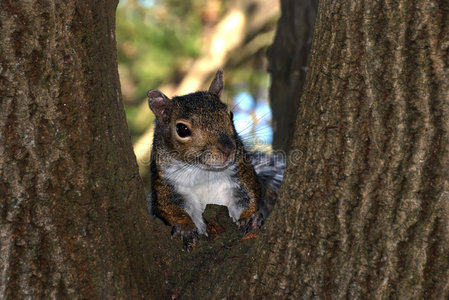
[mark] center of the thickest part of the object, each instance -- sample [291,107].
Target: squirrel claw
[190,237]
[254,221]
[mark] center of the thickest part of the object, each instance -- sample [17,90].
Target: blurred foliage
[153,42]
[162,42]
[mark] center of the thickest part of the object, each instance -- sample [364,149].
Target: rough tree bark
[74,221]
[73,216]
[288,65]
[365,212]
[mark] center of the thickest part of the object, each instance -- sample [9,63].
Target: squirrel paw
[190,236]
[254,221]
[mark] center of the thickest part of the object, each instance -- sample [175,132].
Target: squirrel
[198,158]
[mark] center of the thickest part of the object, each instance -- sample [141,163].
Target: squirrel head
[196,128]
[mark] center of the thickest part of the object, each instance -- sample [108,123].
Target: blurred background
[178,45]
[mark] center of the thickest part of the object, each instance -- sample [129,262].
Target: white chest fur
[200,187]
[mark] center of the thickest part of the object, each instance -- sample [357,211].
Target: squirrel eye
[182,130]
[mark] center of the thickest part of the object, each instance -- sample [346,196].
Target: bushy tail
[270,171]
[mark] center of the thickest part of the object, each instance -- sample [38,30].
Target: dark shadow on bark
[288,58]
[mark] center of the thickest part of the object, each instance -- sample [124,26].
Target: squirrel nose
[225,145]
[226,152]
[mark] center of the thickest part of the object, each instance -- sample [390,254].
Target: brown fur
[212,132]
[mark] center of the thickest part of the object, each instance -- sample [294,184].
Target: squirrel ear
[216,86]
[159,104]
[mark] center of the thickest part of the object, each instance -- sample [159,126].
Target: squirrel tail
[270,171]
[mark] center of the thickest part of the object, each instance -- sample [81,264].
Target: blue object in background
[264,133]
[147,3]
[243,123]
[244,102]
[252,120]
[263,112]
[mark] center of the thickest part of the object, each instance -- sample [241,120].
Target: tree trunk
[365,212]
[73,217]
[288,65]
